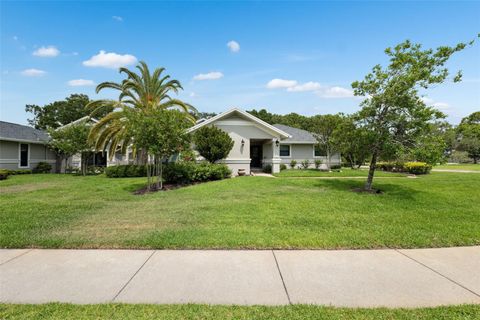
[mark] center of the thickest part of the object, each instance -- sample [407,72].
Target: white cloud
[317,88]
[46,52]
[307,86]
[33,73]
[110,60]
[234,46]
[80,83]
[208,76]
[436,104]
[192,94]
[281,84]
[335,92]
[15,38]
[117,18]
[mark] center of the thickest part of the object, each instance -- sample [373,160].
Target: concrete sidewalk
[354,278]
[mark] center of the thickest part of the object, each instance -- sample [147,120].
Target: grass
[63,211]
[345,172]
[471,167]
[126,311]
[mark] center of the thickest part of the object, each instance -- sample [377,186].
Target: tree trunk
[161,175]
[371,171]
[328,159]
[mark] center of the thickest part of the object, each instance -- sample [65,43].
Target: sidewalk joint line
[1,264]
[281,277]
[444,276]
[133,276]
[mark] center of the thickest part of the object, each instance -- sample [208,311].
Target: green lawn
[125,311]
[64,211]
[345,172]
[472,167]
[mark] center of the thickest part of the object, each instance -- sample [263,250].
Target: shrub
[20,171]
[318,163]
[212,143]
[283,166]
[335,166]
[3,174]
[293,163]
[267,168]
[305,164]
[417,167]
[397,166]
[43,167]
[175,172]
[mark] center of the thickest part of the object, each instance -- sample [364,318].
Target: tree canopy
[212,143]
[393,112]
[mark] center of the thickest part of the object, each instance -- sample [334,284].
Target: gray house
[257,143]
[23,147]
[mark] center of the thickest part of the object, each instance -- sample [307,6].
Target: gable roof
[17,132]
[297,135]
[247,115]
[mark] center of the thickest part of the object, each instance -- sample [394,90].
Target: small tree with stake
[212,143]
[162,133]
[393,113]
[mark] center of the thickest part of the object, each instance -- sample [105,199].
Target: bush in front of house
[417,167]
[267,168]
[283,166]
[318,163]
[3,174]
[305,164]
[175,172]
[293,164]
[212,143]
[43,167]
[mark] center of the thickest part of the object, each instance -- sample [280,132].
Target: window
[23,155]
[319,151]
[284,150]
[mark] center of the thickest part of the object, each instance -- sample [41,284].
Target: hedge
[410,167]
[176,172]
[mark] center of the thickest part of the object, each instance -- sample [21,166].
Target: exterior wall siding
[10,158]
[301,152]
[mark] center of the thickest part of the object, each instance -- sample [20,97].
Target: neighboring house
[257,143]
[23,147]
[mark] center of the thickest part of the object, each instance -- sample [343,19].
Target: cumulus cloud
[233,45]
[208,76]
[117,18]
[281,84]
[335,92]
[33,73]
[80,83]
[307,86]
[110,60]
[46,52]
[317,88]
[436,104]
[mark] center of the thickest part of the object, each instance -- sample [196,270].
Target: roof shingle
[298,135]
[18,132]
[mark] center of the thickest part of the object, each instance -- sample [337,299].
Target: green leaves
[212,143]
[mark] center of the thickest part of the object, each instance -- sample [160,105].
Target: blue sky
[311,50]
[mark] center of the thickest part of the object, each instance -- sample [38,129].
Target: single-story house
[23,147]
[257,143]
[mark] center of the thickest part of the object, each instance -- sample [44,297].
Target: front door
[256,156]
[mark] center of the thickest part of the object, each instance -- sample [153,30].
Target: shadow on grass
[387,189]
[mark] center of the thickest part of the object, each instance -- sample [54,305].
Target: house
[257,143]
[23,147]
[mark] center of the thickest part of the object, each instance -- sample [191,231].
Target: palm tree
[139,92]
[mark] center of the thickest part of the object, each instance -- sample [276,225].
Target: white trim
[236,161]
[289,151]
[23,140]
[77,121]
[283,134]
[298,142]
[20,155]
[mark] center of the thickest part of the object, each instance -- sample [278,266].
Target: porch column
[276,156]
